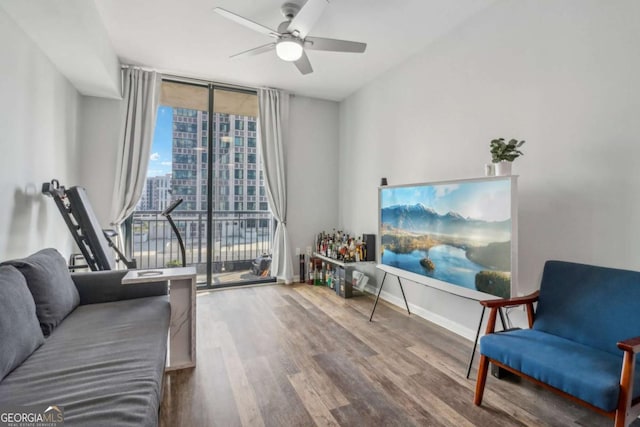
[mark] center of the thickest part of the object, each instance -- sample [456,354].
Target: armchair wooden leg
[483,368]
[626,390]
[620,420]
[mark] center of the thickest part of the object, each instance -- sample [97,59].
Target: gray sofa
[82,341]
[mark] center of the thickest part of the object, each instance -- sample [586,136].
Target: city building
[238,176]
[156,193]
[238,183]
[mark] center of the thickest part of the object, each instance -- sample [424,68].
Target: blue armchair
[582,339]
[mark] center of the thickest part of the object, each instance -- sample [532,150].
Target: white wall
[312,170]
[38,142]
[99,130]
[561,74]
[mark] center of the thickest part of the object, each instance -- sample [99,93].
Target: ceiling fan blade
[307,17]
[256,50]
[334,45]
[246,22]
[303,64]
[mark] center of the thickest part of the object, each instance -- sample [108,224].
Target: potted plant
[503,153]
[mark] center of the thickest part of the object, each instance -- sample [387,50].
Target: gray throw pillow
[20,332]
[50,283]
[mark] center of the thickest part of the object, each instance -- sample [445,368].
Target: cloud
[166,163]
[154,157]
[443,190]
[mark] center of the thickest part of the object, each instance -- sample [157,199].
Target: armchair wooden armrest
[632,345]
[496,304]
[506,302]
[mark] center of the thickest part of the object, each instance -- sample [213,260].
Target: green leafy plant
[173,263]
[507,151]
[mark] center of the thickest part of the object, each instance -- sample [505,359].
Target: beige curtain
[273,106]
[141,90]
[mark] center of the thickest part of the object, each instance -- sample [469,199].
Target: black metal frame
[380,290]
[475,342]
[92,241]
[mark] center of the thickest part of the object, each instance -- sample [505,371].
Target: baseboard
[439,320]
[203,291]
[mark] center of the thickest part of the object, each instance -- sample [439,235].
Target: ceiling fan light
[289,50]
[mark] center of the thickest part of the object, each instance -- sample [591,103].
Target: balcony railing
[238,239]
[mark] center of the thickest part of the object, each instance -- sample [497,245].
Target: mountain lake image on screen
[456,232]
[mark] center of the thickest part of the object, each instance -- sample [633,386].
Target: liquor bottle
[364,249]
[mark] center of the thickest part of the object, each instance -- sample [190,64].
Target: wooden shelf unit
[344,273]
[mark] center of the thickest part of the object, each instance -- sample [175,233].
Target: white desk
[182,296]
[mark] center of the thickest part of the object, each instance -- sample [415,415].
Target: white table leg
[182,339]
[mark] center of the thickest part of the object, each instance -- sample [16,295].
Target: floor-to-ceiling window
[224,218]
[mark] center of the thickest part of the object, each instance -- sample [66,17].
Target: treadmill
[95,243]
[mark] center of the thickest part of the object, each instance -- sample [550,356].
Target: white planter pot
[503,168]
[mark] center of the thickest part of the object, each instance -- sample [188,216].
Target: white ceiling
[72,35]
[186,37]
[86,39]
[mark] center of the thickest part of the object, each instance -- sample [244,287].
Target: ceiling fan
[292,35]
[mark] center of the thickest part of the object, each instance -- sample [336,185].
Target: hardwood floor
[301,356]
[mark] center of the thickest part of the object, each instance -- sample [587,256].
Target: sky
[484,200]
[160,158]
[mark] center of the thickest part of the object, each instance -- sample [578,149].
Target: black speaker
[370,241]
[302,264]
[500,373]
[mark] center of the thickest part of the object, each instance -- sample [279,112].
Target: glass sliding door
[224,218]
[241,223]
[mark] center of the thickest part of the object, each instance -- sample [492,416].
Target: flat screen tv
[458,236]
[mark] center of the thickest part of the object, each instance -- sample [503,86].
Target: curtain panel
[141,90]
[273,106]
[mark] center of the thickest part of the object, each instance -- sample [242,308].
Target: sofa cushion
[595,306]
[20,332]
[104,364]
[50,283]
[588,373]
[106,286]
